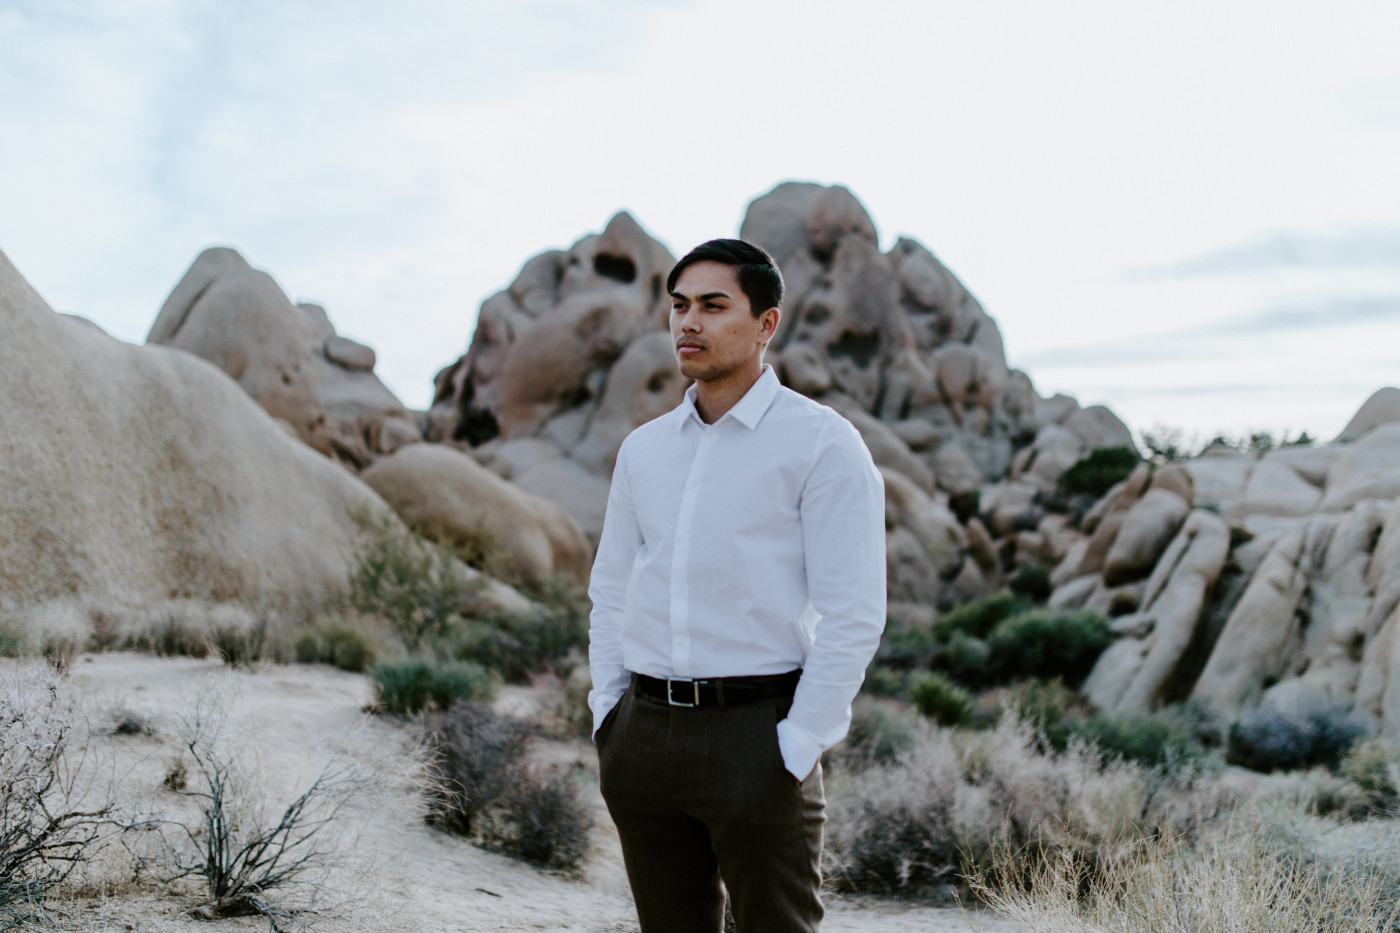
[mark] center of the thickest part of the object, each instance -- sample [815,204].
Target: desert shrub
[1151,740]
[881,680]
[1234,881]
[915,825]
[336,642]
[978,617]
[1047,706]
[45,828]
[909,647]
[126,721]
[1032,581]
[543,822]
[418,586]
[1098,472]
[1048,643]
[253,860]
[965,658]
[1270,739]
[521,644]
[9,645]
[941,700]
[412,684]
[489,793]
[1374,767]
[880,732]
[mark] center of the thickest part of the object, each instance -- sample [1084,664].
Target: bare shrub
[46,829]
[252,858]
[490,793]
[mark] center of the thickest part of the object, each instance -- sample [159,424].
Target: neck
[714,397]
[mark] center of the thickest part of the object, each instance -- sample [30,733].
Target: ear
[768,324]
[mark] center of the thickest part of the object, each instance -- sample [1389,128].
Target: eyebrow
[705,297]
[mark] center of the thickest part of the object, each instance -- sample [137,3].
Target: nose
[689,322]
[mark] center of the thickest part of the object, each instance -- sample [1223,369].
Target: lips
[688,347]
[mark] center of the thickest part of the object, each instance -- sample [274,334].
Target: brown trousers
[700,796]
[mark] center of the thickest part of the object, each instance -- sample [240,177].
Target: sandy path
[411,876]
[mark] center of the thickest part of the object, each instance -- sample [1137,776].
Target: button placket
[680,557]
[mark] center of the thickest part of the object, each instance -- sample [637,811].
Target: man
[738,595]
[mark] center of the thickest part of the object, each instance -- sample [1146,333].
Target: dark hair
[759,276]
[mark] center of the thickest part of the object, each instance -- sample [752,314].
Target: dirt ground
[397,873]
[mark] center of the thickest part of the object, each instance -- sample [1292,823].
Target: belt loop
[719,693]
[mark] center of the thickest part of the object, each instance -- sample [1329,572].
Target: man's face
[714,329]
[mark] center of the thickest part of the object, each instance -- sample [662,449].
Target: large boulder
[138,477]
[288,358]
[442,492]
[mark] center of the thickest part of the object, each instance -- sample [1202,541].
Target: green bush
[1048,643]
[884,681]
[519,645]
[414,684]
[337,643]
[907,647]
[1098,472]
[1031,580]
[418,586]
[965,658]
[941,700]
[880,732]
[978,617]
[1150,740]
[1048,706]
[1269,739]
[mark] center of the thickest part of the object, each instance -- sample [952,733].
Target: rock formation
[287,357]
[142,477]
[576,353]
[1280,584]
[141,486]
[133,478]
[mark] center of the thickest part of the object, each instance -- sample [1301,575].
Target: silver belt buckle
[671,692]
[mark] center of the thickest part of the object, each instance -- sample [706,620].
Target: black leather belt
[720,692]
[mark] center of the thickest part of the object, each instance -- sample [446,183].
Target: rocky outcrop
[288,358]
[576,353]
[136,477]
[1280,587]
[142,486]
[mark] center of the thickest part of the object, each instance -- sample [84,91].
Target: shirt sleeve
[843,530]
[612,569]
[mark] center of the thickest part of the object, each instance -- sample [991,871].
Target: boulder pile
[576,353]
[1236,579]
[143,477]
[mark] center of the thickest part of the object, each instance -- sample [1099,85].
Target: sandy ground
[398,874]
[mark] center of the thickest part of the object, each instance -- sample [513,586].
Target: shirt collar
[750,409]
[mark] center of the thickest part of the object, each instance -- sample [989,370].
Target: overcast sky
[1187,211]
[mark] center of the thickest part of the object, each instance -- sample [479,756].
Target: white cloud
[398,162]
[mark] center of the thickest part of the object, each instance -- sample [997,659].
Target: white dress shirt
[754,545]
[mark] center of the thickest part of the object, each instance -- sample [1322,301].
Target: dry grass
[949,802]
[1239,880]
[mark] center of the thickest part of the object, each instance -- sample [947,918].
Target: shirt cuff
[601,704]
[799,748]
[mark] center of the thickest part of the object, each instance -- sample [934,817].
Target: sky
[1187,211]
